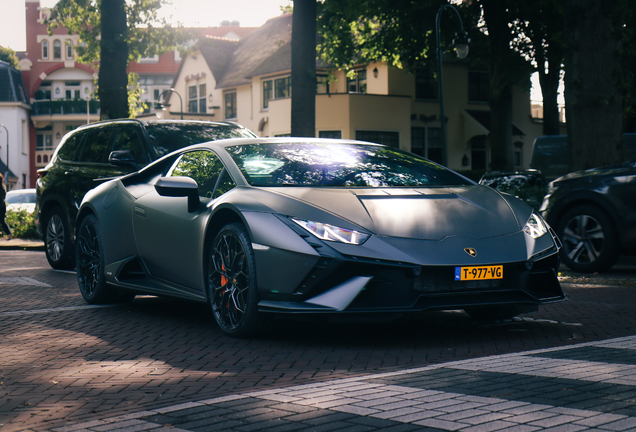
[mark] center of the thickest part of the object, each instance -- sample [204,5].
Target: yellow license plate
[478,273]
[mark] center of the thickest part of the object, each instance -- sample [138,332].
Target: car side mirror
[123,158]
[179,187]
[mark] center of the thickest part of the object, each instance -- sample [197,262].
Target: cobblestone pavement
[587,387]
[162,364]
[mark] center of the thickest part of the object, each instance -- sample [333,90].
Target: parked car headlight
[535,227]
[333,233]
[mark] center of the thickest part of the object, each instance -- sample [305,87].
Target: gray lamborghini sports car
[310,226]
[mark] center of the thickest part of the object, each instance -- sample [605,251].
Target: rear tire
[589,240]
[57,240]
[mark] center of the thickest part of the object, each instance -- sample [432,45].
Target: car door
[169,238]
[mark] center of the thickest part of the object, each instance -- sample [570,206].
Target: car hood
[423,213]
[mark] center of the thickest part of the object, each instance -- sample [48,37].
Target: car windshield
[337,164]
[20,197]
[168,137]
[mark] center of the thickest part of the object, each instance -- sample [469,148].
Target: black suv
[594,214]
[97,152]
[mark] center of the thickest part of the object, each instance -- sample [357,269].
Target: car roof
[16,191]
[158,122]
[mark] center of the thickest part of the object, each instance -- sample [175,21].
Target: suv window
[68,151]
[166,138]
[97,146]
[128,139]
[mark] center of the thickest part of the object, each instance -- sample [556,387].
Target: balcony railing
[65,106]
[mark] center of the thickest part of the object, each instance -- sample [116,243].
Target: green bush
[22,224]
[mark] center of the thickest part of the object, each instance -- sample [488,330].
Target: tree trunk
[113,79]
[303,75]
[500,102]
[592,79]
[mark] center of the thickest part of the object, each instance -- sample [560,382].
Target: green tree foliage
[22,224]
[402,34]
[144,33]
[9,56]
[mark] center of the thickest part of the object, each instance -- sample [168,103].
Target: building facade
[14,128]
[249,82]
[61,91]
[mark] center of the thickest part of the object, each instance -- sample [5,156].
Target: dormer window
[45,50]
[57,50]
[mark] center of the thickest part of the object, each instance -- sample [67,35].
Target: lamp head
[461,44]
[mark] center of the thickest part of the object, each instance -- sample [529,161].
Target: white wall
[15,117]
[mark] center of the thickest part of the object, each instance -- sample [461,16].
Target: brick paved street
[64,363]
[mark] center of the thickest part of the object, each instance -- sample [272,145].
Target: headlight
[333,233]
[535,227]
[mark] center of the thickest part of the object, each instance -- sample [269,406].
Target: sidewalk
[584,387]
[21,244]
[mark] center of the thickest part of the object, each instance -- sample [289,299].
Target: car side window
[203,166]
[97,146]
[68,151]
[225,184]
[128,139]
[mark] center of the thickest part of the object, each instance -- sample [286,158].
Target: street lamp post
[163,93]
[6,174]
[461,46]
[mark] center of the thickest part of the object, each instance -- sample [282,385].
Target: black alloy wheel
[589,241]
[232,282]
[89,253]
[57,240]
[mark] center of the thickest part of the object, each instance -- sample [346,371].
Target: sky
[191,13]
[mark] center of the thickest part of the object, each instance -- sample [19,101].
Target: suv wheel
[57,240]
[589,240]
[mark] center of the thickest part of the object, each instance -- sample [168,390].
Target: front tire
[589,240]
[57,240]
[89,253]
[232,289]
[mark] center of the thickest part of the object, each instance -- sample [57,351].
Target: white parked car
[21,199]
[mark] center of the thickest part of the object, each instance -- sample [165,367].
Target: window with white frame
[202,98]
[277,88]
[357,84]
[197,98]
[69,50]
[45,50]
[322,84]
[44,141]
[427,142]
[193,100]
[57,49]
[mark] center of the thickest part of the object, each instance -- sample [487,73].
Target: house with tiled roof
[61,91]
[14,128]
[249,81]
